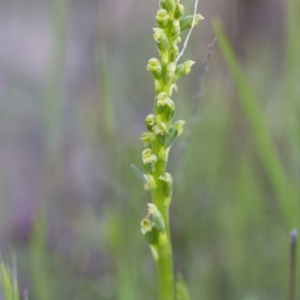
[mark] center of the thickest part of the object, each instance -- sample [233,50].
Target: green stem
[165,256]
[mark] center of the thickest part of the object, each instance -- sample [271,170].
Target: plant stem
[165,255]
[293,244]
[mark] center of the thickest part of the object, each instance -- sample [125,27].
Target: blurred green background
[74,92]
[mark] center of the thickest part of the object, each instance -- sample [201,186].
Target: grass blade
[285,191]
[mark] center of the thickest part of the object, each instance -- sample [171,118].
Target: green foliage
[235,171]
[9,282]
[287,190]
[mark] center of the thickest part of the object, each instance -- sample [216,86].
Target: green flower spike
[161,133]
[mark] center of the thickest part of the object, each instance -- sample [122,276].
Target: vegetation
[235,170]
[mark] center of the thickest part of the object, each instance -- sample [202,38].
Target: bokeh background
[74,92]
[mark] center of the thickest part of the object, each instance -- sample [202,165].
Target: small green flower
[179,127]
[148,157]
[146,225]
[171,68]
[149,231]
[162,18]
[147,138]
[187,21]
[150,121]
[154,65]
[163,99]
[187,66]
[174,87]
[158,33]
[160,128]
[183,69]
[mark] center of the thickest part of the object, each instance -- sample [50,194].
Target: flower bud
[163,4]
[175,29]
[168,183]
[183,69]
[150,182]
[187,21]
[150,121]
[158,220]
[170,74]
[154,66]
[170,5]
[147,138]
[179,11]
[161,39]
[162,99]
[158,33]
[171,68]
[160,128]
[175,51]
[162,18]
[149,231]
[179,127]
[174,87]
[174,131]
[152,208]
[187,66]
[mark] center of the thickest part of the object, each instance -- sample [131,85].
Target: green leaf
[182,292]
